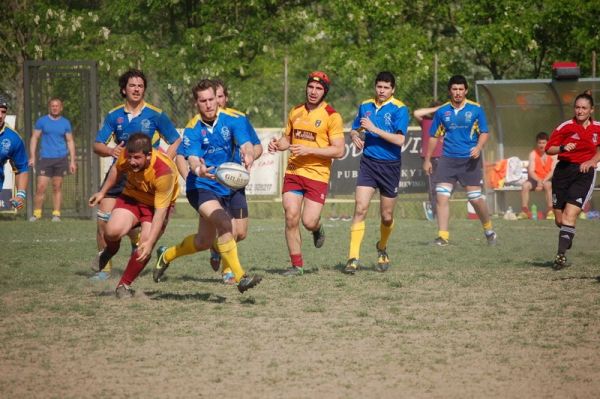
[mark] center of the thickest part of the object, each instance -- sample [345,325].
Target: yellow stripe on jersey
[154,108]
[116,108]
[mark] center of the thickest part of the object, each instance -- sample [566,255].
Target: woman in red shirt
[576,142]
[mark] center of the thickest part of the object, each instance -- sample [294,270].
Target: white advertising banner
[265,172]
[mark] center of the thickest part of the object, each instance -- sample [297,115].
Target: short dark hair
[385,76]
[219,82]
[541,136]
[139,142]
[458,80]
[132,73]
[585,95]
[202,85]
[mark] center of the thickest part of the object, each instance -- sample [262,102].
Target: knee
[360,211]
[202,243]
[111,234]
[474,196]
[557,222]
[291,218]
[387,218]
[310,223]
[241,236]
[443,193]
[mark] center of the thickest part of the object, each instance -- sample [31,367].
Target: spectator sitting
[540,169]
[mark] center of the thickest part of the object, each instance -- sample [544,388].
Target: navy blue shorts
[570,186]
[235,205]
[384,175]
[117,189]
[238,206]
[466,171]
[198,196]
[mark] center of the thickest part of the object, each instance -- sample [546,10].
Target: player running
[238,205]
[210,139]
[149,194]
[379,129]
[134,116]
[463,126]
[577,143]
[314,136]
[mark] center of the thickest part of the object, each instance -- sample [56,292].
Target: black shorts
[384,175]
[118,187]
[466,171]
[570,186]
[53,167]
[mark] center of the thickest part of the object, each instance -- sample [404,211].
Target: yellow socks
[185,247]
[54,213]
[357,232]
[487,226]
[444,234]
[37,213]
[108,267]
[385,232]
[229,255]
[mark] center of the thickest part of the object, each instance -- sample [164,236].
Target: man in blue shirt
[463,126]
[238,205]
[12,149]
[211,138]
[134,116]
[56,143]
[379,129]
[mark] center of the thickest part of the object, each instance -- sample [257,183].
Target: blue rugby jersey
[216,144]
[12,148]
[254,139]
[151,121]
[460,128]
[53,143]
[392,117]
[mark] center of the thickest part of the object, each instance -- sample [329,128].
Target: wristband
[561,149]
[197,171]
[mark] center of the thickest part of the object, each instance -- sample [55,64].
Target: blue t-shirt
[254,139]
[392,117]
[152,121]
[12,149]
[460,128]
[53,143]
[216,144]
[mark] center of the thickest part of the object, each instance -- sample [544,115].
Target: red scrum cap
[321,78]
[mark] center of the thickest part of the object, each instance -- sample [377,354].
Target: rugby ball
[232,175]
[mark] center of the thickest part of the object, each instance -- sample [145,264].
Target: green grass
[462,321]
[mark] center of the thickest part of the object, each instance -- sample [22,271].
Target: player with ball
[209,141]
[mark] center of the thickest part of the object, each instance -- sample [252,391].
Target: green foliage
[245,43]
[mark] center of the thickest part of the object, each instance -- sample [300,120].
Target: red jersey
[586,139]
[425,127]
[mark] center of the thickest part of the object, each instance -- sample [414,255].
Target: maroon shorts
[311,189]
[143,212]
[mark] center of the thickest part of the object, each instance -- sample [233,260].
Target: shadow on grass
[340,267]
[596,279]
[280,272]
[187,278]
[196,296]
[539,263]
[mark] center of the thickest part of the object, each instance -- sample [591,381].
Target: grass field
[465,321]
